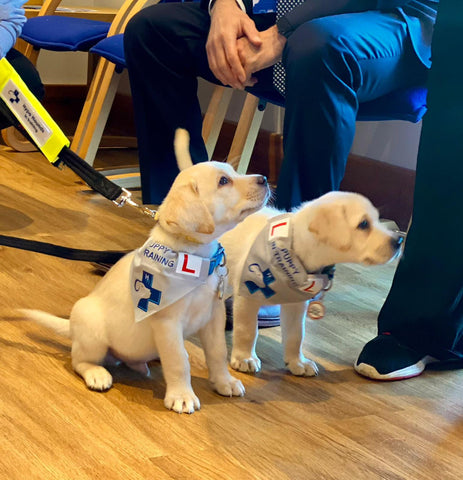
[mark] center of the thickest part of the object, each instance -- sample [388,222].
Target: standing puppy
[154,297]
[288,258]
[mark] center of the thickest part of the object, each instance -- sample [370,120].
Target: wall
[393,142]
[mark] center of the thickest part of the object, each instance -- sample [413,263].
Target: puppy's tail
[60,325]
[182,148]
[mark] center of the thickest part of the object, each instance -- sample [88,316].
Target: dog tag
[221,287]
[222,271]
[316,310]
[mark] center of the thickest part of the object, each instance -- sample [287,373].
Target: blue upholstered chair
[104,85]
[93,120]
[112,48]
[60,33]
[102,91]
[408,104]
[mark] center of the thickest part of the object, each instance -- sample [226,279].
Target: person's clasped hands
[236,49]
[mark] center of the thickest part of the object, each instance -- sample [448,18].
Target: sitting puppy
[170,288]
[288,258]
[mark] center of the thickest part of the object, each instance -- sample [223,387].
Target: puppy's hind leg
[213,340]
[87,359]
[244,357]
[89,346]
[292,333]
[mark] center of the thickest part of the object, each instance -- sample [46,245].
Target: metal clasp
[126,198]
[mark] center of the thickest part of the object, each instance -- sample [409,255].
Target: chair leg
[246,133]
[214,117]
[275,156]
[14,139]
[96,110]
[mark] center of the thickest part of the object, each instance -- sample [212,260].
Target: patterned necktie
[279,75]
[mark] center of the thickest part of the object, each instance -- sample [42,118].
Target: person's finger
[252,34]
[216,60]
[250,82]
[234,61]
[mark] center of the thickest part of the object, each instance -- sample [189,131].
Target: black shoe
[268,316]
[384,358]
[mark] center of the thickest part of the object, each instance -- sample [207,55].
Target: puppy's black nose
[396,242]
[262,180]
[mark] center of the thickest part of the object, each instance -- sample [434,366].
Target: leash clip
[126,198]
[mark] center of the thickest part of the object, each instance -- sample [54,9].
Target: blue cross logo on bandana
[267,279]
[155,295]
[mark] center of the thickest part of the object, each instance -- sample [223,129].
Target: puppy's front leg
[213,339]
[168,336]
[243,357]
[292,333]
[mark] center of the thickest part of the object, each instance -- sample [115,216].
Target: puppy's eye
[363,225]
[224,180]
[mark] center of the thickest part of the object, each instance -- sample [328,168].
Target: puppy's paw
[302,367]
[182,401]
[230,387]
[98,378]
[250,364]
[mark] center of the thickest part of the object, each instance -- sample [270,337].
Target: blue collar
[217,259]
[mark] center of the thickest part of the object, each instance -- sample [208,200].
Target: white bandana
[273,273]
[161,276]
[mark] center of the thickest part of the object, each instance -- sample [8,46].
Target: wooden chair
[56,33]
[102,91]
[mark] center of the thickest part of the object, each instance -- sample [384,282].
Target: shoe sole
[402,374]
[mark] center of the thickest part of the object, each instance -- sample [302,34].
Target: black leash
[23,110]
[97,182]
[94,179]
[98,256]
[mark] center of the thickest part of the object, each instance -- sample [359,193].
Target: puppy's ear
[331,227]
[184,211]
[182,148]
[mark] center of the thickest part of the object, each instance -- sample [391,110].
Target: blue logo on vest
[266,277]
[155,295]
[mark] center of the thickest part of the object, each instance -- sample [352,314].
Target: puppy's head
[209,198]
[348,224]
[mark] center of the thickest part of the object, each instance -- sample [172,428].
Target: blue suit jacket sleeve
[12,19]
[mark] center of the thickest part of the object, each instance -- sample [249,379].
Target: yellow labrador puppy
[287,258]
[154,297]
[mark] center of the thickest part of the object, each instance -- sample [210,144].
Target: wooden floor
[336,426]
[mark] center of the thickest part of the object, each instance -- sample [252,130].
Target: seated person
[336,53]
